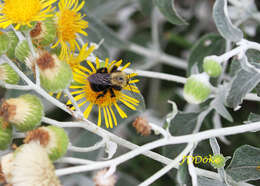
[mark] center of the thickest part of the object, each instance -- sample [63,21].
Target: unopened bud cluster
[55,74]
[197,87]
[30,163]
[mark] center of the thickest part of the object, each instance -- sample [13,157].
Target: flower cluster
[45,42]
[46,39]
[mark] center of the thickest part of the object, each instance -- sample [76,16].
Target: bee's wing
[100,79]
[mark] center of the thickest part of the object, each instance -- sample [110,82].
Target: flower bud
[212,67]
[218,161]
[55,75]
[197,88]
[25,112]
[8,75]
[4,43]
[53,139]
[44,32]
[22,51]
[13,41]
[29,165]
[5,134]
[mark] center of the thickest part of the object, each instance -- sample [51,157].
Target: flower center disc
[106,100]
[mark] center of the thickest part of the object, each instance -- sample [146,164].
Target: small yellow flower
[74,61]
[24,12]
[104,95]
[69,23]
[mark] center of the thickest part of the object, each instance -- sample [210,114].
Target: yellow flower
[24,12]
[74,61]
[69,23]
[106,100]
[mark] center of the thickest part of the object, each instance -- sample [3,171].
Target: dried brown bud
[142,126]
[36,31]
[39,134]
[45,61]
[7,111]
[100,179]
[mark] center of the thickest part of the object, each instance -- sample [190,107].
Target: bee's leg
[102,70]
[114,69]
[102,94]
[112,94]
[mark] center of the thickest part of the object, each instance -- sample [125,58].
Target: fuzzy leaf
[183,123]
[210,44]
[203,181]
[245,164]
[223,22]
[183,176]
[241,84]
[218,103]
[110,38]
[167,8]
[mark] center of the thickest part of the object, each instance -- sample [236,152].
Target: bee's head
[119,78]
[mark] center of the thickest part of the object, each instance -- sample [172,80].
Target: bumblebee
[104,81]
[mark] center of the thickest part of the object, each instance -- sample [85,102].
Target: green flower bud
[44,32]
[13,41]
[212,67]
[53,139]
[24,112]
[4,43]
[55,75]
[197,88]
[8,75]
[22,51]
[218,161]
[5,134]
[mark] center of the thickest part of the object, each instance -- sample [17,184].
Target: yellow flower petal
[87,111]
[105,115]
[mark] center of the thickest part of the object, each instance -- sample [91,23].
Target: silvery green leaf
[218,103]
[203,181]
[210,44]
[248,66]
[183,176]
[241,84]
[245,163]
[107,8]
[167,8]
[146,6]
[183,123]
[110,38]
[223,22]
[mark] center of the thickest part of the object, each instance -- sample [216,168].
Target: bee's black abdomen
[99,81]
